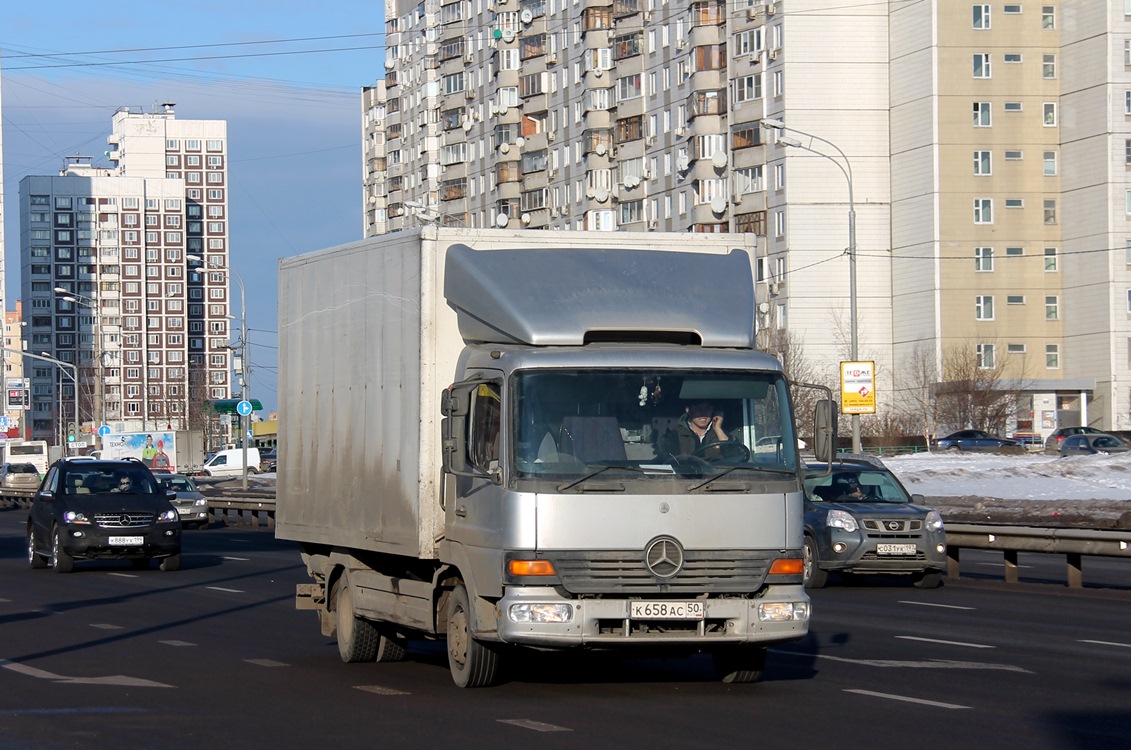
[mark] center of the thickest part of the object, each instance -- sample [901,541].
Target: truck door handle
[461,511]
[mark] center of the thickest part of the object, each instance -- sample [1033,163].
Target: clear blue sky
[287,77]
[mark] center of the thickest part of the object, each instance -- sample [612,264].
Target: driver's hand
[717,424]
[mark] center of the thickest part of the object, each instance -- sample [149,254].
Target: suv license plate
[126,540]
[896,549]
[667,610]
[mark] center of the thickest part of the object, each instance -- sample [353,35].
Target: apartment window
[984,307]
[983,210]
[1012,106]
[1050,210]
[1048,17]
[1015,203]
[1048,66]
[1014,348]
[1052,260]
[779,83]
[748,87]
[779,223]
[1050,163]
[1052,308]
[982,117]
[779,176]
[983,259]
[1012,57]
[1129,301]
[1048,116]
[983,163]
[981,64]
[1011,9]
[1052,356]
[1014,155]
[981,16]
[1015,299]
[984,356]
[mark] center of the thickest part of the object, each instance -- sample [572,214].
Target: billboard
[157,449]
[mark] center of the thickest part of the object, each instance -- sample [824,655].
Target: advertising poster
[157,450]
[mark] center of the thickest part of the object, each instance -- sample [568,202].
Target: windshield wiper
[761,469]
[590,475]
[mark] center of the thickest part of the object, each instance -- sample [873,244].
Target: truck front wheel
[473,663]
[739,663]
[357,638]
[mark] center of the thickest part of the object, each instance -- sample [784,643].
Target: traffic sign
[104,430]
[857,387]
[243,408]
[3,422]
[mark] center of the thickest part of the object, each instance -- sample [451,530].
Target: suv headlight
[933,521]
[72,516]
[169,515]
[841,519]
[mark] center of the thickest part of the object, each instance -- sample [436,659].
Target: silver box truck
[497,438]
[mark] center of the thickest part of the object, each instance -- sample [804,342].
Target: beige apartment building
[971,158]
[112,281]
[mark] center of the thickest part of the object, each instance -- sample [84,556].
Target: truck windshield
[651,423]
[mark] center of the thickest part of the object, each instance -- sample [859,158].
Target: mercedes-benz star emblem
[663,557]
[124,520]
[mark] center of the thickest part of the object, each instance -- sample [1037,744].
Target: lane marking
[266,663]
[42,674]
[123,575]
[380,690]
[537,726]
[933,604]
[72,711]
[105,626]
[906,699]
[241,559]
[945,643]
[896,664]
[227,591]
[177,643]
[1108,643]
[998,565]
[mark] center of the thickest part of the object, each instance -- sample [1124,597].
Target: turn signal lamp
[531,568]
[787,566]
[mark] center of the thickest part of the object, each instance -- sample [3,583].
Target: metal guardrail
[241,511]
[1073,543]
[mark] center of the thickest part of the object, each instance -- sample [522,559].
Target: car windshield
[93,480]
[645,425]
[859,485]
[179,484]
[22,469]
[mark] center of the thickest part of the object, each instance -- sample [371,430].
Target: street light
[74,373]
[846,170]
[97,351]
[245,375]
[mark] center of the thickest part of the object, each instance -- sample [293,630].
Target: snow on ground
[1033,476]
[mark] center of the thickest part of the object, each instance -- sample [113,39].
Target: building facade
[980,152]
[113,279]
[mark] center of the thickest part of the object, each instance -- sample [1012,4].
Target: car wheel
[738,664]
[171,563]
[812,576]
[930,579]
[34,560]
[61,562]
[953,448]
[472,662]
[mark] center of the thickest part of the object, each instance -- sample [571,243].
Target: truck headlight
[783,611]
[548,613]
[841,519]
[933,521]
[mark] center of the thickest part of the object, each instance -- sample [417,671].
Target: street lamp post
[846,170]
[97,352]
[74,373]
[245,375]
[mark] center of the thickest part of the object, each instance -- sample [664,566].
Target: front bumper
[92,542]
[848,552]
[606,622]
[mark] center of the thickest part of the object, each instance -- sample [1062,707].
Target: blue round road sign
[104,430]
[243,408]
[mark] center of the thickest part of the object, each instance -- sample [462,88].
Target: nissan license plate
[126,541]
[896,549]
[667,610]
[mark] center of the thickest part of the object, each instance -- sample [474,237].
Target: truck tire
[390,647]
[34,559]
[737,664]
[472,662]
[812,576]
[61,562]
[357,638]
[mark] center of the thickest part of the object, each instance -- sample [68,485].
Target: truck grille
[625,572]
[123,520]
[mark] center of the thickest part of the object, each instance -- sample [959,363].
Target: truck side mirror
[455,403]
[824,430]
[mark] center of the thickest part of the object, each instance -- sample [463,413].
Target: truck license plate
[126,540]
[896,549]
[667,610]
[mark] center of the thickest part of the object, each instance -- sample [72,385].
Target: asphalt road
[214,655]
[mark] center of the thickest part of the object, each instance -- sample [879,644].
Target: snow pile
[1033,476]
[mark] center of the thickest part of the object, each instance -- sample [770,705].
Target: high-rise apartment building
[980,152]
[112,283]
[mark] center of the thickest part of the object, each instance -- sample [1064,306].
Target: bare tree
[974,395]
[788,349]
[918,382]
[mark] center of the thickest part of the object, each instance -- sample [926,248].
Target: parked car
[1052,443]
[859,518]
[267,460]
[978,440]
[190,502]
[1090,444]
[93,509]
[18,480]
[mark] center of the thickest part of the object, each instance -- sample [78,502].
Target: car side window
[52,483]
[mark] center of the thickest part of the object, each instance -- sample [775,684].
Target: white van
[229,463]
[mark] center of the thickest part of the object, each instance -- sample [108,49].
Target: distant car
[859,518]
[978,440]
[94,509]
[191,504]
[1052,443]
[1091,444]
[18,480]
[267,459]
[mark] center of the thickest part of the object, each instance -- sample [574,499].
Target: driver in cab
[698,429]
